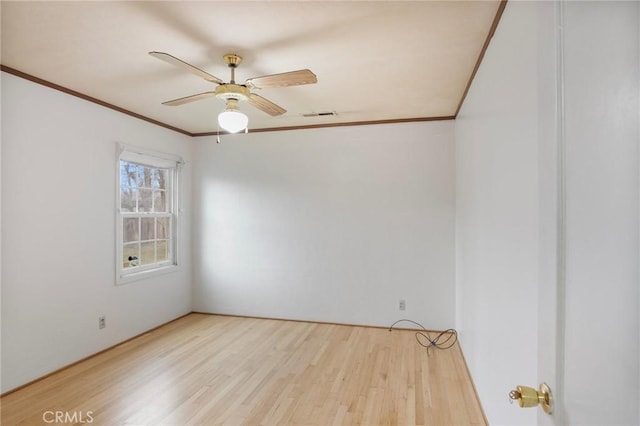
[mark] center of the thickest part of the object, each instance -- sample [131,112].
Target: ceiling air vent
[320,114]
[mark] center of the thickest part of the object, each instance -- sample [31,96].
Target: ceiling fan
[231,119]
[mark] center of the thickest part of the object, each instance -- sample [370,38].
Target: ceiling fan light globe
[233,121]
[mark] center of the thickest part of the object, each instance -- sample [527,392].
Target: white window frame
[154,159]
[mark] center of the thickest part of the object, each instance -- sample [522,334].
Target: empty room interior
[320,212]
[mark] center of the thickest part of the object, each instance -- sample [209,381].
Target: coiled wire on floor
[443,340]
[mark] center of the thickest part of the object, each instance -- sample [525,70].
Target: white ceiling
[380,60]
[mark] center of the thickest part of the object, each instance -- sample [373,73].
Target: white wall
[497,217]
[58,242]
[331,224]
[602,75]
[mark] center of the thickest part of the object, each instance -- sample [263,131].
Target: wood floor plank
[209,370]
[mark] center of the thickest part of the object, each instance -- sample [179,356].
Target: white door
[589,297]
[551,199]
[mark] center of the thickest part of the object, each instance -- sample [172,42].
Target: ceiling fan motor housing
[232,91]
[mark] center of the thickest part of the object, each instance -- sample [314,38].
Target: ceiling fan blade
[265,105]
[182,64]
[187,99]
[291,78]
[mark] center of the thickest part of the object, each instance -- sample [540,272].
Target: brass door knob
[529,397]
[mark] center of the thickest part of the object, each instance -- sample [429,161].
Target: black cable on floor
[444,340]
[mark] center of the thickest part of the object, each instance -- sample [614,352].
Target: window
[147,215]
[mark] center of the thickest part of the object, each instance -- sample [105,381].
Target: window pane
[159,201]
[144,176]
[145,203]
[128,199]
[163,224]
[130,255]
[148,229]
[128,174]
[147,253]
[130,229]
[161,251]
[159,179]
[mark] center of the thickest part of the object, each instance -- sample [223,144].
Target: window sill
[143,275]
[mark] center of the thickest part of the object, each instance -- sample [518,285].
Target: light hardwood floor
[209,369]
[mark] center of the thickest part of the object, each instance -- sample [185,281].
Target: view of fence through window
[146,215]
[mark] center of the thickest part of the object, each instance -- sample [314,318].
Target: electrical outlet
[402,305]
[102,322]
